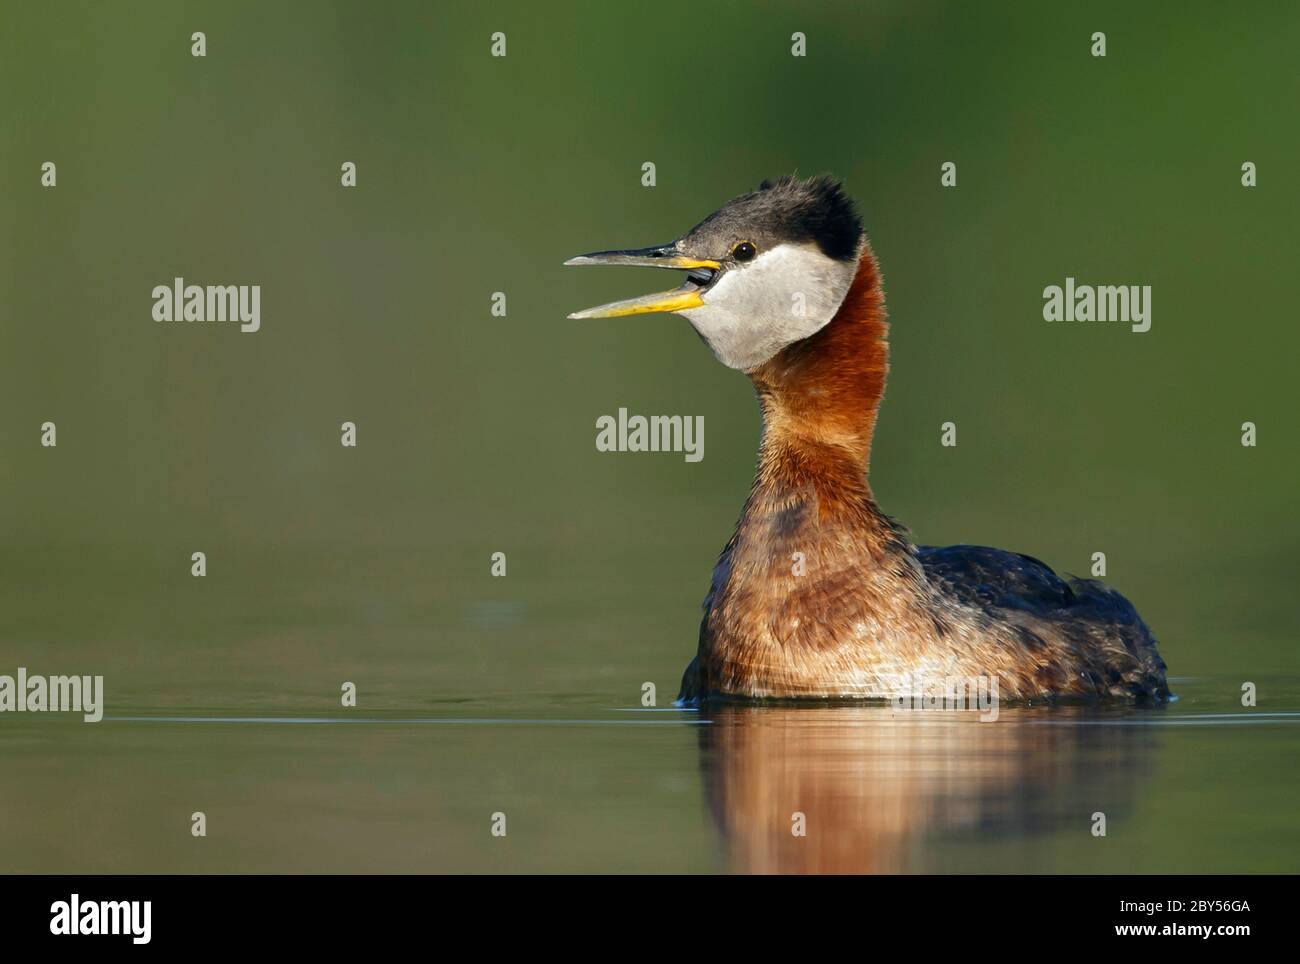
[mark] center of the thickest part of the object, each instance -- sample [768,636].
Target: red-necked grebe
[782,284]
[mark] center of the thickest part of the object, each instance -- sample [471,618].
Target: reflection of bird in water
[782,284]
[888,792]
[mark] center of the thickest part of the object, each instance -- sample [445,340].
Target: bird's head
[765,270]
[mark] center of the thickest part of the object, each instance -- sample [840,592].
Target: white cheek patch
[782,296]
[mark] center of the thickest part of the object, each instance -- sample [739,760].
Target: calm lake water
[587,784]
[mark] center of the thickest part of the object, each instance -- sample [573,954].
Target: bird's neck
[819,399]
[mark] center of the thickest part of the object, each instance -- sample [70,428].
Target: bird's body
[819,594]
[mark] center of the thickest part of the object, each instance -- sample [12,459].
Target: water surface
[589,785]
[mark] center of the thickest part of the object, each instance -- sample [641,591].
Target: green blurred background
[476,434]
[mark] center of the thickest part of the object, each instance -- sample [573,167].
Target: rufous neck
[819,396]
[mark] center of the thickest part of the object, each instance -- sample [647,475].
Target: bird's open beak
[702,273]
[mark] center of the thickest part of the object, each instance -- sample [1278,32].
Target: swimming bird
[819,594]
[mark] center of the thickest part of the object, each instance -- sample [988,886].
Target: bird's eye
[744,251]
